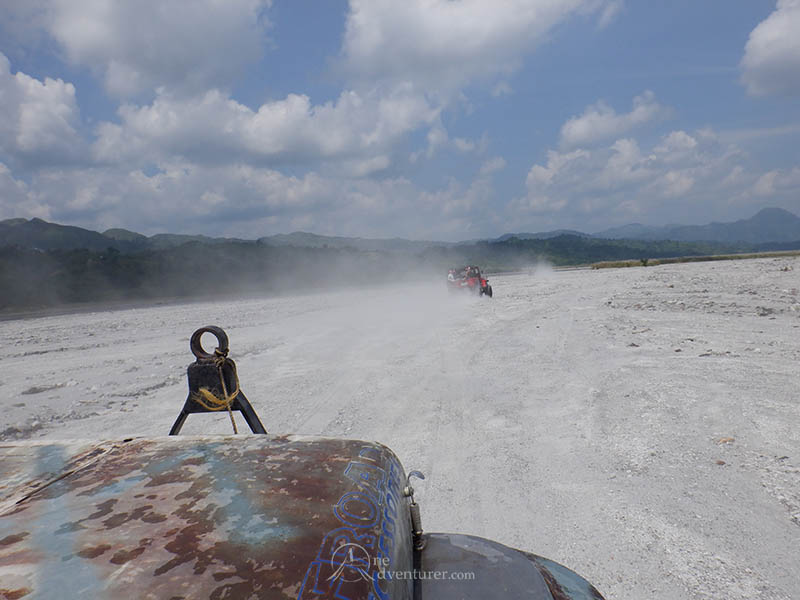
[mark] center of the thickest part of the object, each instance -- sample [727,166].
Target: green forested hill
[36,278]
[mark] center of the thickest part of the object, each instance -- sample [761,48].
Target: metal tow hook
[216,373]
[416,519]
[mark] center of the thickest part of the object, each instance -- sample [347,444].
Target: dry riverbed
[641,425]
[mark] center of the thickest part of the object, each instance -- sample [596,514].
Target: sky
[423,119]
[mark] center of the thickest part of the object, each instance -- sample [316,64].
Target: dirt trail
[639,425]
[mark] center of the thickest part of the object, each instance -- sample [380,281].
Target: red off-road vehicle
[468,278]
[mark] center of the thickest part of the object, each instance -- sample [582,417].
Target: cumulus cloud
[778,181]
[22,24]
[213,128]
[610,12]
[438,139]
[14,197]
[540,176]
[460,211]
[676,143]
[502,88]
[745,135]
[182,45]
[180,196]
[623,179]
[493,165]
[39,120]
[442,45]
[249,201]
[601,122]
[771,62]
[183,152]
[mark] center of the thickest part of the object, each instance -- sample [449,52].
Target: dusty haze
[638,425]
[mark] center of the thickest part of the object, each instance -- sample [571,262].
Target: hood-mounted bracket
[214,384]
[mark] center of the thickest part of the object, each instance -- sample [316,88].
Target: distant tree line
[35,278]
[570,250]
[31,278]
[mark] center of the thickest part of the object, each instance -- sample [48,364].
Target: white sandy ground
[577,415]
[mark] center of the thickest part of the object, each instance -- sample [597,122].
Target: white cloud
[622,179]
[609,13]
[676,142]
[250,201]
[461,211]
[556,163]
[14,197]
[675,183]
[22,23]
[538,203]
[493,165]
[625,165]
[213,128]
[219,161]
[737,177]
[442,45]
[463,144]
[748,134]
[771,62]
[39,119]
[778,182]
[180,197]
[182,45]
[438,139]
[601,122]
[502,88]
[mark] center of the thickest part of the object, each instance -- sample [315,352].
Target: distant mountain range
[45,264]
[769,225]
[312,240]
[542,235]
[36,233]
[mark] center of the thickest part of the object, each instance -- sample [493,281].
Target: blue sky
[424,119]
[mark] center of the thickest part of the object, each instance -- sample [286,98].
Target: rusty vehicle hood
[239,517]
[202,517]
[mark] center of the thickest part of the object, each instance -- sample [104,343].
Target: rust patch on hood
[221,517]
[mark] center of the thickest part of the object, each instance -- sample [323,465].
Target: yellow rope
[210,401]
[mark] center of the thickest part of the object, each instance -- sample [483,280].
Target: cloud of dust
[541,268]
